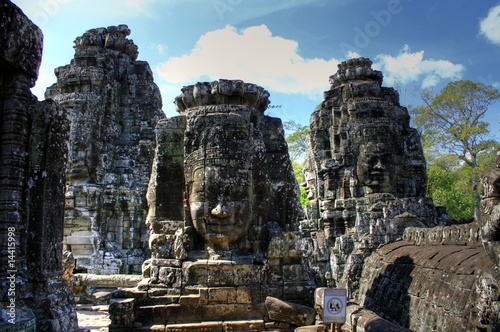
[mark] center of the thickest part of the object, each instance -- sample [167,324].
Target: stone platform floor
[93,318]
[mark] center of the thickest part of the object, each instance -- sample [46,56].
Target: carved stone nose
[379,165]
[220,211]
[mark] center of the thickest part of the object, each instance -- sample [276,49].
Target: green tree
[298,170]
[451,124]
[450,183]
[449,187]
[296,140]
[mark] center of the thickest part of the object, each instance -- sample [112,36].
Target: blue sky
[288,47]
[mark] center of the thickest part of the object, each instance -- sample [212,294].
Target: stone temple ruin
[113,106]
[205,206]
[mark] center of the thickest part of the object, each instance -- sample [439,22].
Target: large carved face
[220,202]
[375,167]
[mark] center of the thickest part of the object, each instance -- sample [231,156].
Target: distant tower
[113,105]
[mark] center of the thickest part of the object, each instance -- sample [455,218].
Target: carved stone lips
[220,225]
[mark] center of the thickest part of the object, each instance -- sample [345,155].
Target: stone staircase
[200,309]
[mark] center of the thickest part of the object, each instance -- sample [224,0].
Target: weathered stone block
[299,292]
[250,325]
[122,312]
[243,295]
[196,327]
[288,312]
[226,295]
[311,328]
[170,276]
[221,273]
[295,272]
[152,314]
[189,300]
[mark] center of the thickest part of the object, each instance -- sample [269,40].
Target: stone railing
[464,234]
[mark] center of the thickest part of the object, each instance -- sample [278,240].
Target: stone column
[18,71]
[32,162]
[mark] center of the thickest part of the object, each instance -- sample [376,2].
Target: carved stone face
[310,184]
[220,203]
[375,167]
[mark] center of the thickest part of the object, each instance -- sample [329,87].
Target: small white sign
[334,305]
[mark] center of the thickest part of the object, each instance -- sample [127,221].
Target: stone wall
[113,106]
[33,150]
[490,230]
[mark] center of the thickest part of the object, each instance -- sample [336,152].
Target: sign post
[334,306]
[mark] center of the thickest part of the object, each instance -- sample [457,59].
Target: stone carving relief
[225,149]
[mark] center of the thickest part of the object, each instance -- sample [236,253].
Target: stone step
[206,326]
[144,298]
[102,297]
[186,313]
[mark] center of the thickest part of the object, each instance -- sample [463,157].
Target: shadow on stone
[388,295]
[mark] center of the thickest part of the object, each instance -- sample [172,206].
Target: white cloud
[139,7]
[160,48]
[409,67]
[253,55]
[490,25]
[489,81]
[352,54]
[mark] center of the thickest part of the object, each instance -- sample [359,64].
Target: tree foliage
[298,170]
[452,120]
[450,184]
[296,140]
[453,131]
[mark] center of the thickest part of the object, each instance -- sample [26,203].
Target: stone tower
[223,215]
[113,106]
[222,151]
[364,172]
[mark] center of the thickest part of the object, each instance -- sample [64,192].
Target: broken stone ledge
[360,320]
[105,281]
